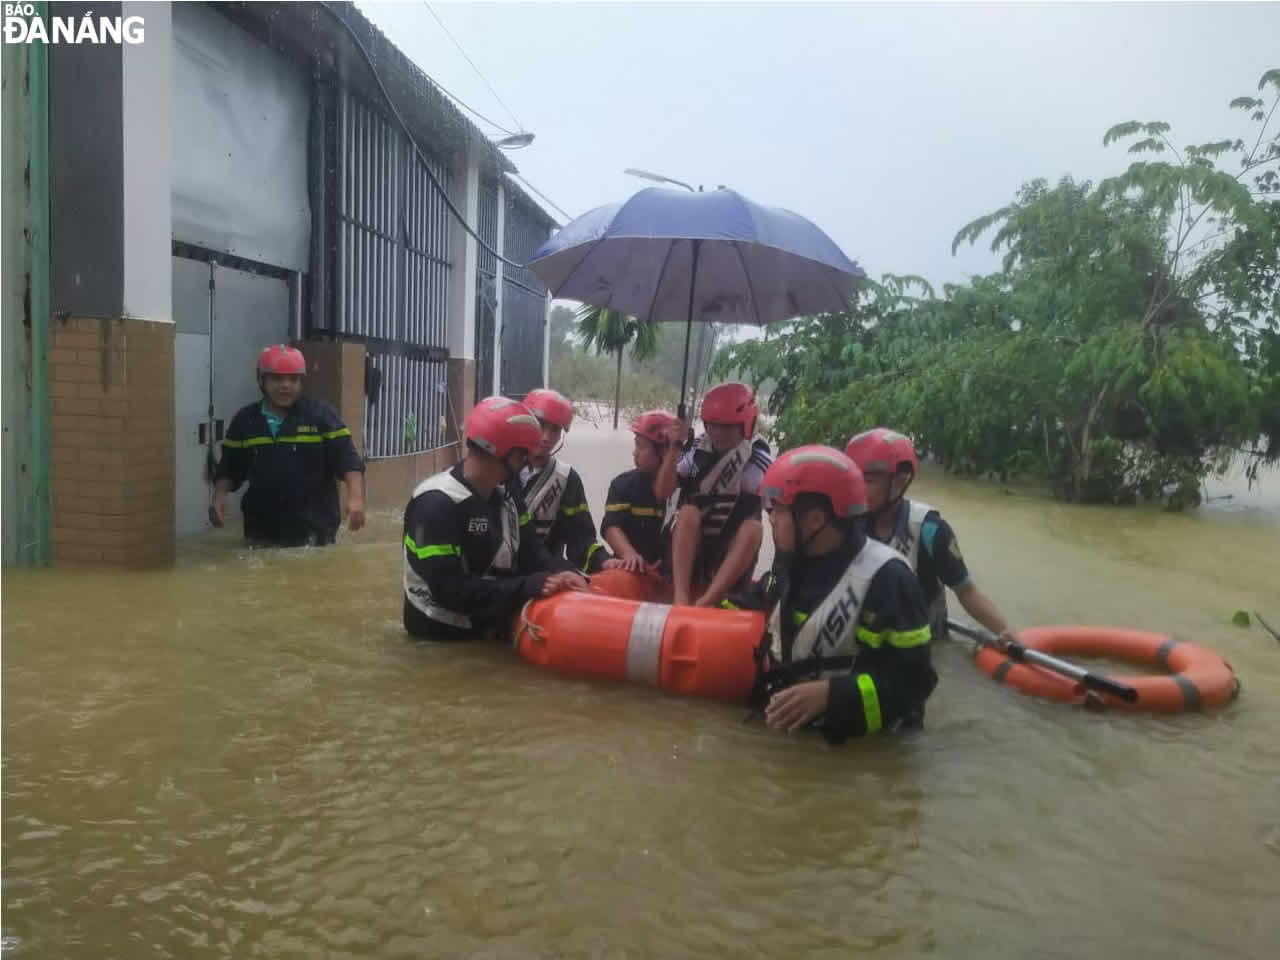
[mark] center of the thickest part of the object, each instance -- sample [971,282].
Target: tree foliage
[608,331]
[1128,346]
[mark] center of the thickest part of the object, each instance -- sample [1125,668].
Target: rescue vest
[827,641]
[722,485]
[543,497]
[906,540]
[503,562]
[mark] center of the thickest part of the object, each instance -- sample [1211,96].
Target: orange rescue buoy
[626,586]
[1198,679]
[688,650]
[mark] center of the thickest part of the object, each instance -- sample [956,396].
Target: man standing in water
[471,558]
[291,449]
[889,463]
[553,491]
[848,622]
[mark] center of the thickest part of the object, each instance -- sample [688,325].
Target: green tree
[1126,348]
[608,331]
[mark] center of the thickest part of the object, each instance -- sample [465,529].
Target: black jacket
[292,498]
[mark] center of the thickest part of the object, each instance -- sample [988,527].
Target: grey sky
[889,125]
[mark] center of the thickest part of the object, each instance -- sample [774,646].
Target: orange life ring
[696,651]
[1199,679]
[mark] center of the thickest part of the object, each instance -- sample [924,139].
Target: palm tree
[609,331]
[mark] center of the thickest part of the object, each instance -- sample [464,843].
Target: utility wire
[426,167]
[473,66]
[471,110]
[555,206]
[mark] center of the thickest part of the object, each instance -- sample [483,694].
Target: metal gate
[393,278]
[524,303]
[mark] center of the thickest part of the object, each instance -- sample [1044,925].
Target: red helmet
[731,403]
[498,425]
[882,451]
[655,426]
[551,406]
[817,469]
[283,359]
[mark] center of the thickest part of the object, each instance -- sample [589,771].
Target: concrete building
[238,179]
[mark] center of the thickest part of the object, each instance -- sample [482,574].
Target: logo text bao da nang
[23,25]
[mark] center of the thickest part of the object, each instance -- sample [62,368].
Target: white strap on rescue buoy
[644,645]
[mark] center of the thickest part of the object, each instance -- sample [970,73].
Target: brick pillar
[462,393]
[111,440]
[335,374]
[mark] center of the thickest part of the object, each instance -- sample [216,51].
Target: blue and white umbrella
[671,255]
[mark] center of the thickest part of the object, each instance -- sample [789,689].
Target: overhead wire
[479,74]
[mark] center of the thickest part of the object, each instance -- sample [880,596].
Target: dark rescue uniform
[572,532]
[634,509]
[893,649]
[450,550]
[933,551]
[292,499]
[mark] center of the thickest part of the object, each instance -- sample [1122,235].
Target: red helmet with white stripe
[731,402]
[817,469]
[498,425]
[551,406]
[655,426]
[282,359]
[882,451]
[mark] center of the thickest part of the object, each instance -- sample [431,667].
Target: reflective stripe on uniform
[870,702]
[617,507]
[267,441]
[524,519]
[431,550]
[590,552]
[335,434]
[573,511]
[901,639]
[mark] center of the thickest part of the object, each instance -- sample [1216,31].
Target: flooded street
[245,757]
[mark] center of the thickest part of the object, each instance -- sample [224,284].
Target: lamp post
[515,141]
[702,327]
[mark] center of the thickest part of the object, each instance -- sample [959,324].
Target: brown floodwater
[244,756]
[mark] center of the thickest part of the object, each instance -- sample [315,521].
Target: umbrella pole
[683,410]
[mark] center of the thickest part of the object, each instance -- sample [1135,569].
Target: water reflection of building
[237,180]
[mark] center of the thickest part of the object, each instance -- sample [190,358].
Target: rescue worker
[717,530]
[553,491]
[889,463]
[849,629]
[291,449]
[633,512]
[470,559]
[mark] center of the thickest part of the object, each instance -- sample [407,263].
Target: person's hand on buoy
[1006,637]
[565,580]
[796,706]
[631,561]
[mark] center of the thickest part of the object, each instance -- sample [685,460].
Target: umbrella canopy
[755,264]
[672,255]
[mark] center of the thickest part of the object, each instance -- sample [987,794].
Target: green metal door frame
[24,321]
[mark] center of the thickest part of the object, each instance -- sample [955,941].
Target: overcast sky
[888,125]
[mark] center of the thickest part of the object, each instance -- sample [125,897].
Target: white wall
[464,252]
[147,70]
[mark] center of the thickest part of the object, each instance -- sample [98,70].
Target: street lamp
[515,141]
[659,178]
